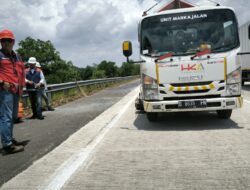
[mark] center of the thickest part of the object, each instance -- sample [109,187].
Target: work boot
[40,117]
[18,120]
[50,108]
[12,149]
[17,143]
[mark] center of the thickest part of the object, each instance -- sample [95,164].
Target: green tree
[43,51]
[125,69]
[88,73]
[109,68]
[97,74]
[56,70]
[129,69]
[62,71]
[136,69]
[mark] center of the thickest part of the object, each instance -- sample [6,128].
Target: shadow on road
[246,87]
[184,121]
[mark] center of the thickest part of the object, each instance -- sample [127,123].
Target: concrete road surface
[120,149]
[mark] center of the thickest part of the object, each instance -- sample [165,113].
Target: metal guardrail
[69,85]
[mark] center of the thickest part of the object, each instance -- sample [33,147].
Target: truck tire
[224,114]
[152,116]
[242,83]
[139,105]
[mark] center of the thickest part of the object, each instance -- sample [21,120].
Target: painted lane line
[247,101]
[68,168]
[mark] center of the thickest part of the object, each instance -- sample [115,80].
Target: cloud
[90,24]
[32,2]
[96,29]
[46,18]
[241,7]
[88,31]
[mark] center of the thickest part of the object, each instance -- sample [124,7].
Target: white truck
[189,61]
[244,33]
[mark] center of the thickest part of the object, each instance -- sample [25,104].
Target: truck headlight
[150,94]
[150,88]
[234,77]
[233,89]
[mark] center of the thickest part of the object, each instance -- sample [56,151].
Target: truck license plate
[192,104]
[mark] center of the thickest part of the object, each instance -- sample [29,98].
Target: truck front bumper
[211,104]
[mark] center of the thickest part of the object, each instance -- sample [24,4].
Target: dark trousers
[46,99]
[36,102]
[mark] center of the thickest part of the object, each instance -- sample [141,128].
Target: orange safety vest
[13,72]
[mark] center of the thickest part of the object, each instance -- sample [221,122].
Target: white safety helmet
[32,60]
[38,65]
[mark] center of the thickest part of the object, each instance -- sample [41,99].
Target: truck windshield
[185,33]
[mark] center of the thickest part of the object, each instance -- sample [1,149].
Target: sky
[89,31]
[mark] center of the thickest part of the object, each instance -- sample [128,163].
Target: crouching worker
[35,86]
[12,80]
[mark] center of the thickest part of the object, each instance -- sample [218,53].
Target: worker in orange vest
[12,80]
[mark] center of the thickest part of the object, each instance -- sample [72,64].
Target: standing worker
[35,86]
[44,94]
[12,80]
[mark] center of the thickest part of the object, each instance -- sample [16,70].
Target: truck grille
[194,88]
[191,84]
[191,91]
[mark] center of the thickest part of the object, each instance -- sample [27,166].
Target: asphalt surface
[42,136]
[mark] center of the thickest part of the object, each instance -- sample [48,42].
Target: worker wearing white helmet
[34,85]
[38,65]
[44,94]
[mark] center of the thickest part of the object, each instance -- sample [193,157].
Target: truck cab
[189,61]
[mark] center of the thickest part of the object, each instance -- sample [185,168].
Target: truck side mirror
[127,49]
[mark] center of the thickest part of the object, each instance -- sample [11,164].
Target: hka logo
[192,67]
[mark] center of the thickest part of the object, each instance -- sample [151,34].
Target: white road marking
[247,101]
[63,174]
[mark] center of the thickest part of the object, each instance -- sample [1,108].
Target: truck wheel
[152,116]
[242,83]
[139,105]
[224,114]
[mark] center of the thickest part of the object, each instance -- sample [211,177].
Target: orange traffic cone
[20,111]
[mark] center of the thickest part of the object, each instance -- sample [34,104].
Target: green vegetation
[57,70]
